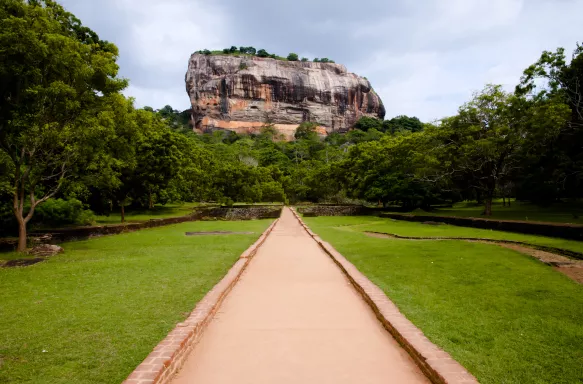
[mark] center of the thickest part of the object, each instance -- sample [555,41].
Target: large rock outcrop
[244,93]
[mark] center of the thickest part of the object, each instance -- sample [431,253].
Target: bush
[55,212]
[366,123]
[304,59]
[262,53]
[307,131]
[293,57]
[243,66]
[273,192]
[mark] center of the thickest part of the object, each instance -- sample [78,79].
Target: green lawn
[558,213]
[93,313]
[158,212]
[407,228]
[506,317]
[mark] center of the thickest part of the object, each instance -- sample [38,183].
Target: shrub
[365,123]
[293,57]
[262,53]
[243,66]
[55,212]
[273,192]
[304,59]
[316,60]
[307,131]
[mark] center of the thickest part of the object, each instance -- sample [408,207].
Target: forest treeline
[71,142]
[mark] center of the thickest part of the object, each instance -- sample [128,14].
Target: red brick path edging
[435,363]
[169,355]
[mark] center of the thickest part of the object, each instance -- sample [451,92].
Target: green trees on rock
[262,53]
[293,57]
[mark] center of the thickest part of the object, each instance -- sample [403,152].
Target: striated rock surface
[244,93]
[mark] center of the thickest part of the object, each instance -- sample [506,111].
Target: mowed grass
[571,213]
[158,212]
[506,317]
[93,313]
[411,229]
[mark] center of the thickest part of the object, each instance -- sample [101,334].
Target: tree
[324,60]
[55,74]
[480,143]
[304,59]
[262,53]
[365,123]
[293,57]
[306,131]
[316,60]
[402,123]
[233,49]
[158,158]
[553,79]
[386,171]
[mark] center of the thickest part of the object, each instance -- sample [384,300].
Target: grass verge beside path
[407,228]
[505,316]
[93,313]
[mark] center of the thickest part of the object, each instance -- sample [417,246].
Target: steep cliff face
[243,93]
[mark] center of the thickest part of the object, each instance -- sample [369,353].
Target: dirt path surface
[294,318]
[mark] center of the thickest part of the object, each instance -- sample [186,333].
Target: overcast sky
[424,57]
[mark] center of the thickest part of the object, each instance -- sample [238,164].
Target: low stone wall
[335,210]
[201,214]
[240,213]
[564,231]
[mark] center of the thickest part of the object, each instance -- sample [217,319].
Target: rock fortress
[244,93]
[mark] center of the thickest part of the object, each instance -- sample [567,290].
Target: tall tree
[479,144]
[54,75]
[554,79]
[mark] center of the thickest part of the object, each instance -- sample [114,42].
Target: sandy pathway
[294,318]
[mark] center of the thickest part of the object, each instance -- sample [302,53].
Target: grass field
[158,212]
[506,317]
[93,313]
[556,213]
[407,228]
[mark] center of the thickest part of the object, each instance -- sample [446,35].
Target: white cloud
[424,57]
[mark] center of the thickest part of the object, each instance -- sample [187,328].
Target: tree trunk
[21,236]
[150,200]
[488,206]
[503,201]
[123,214]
